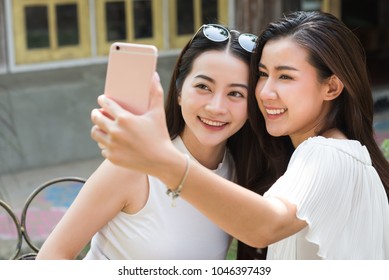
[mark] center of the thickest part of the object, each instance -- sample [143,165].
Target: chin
[274,133]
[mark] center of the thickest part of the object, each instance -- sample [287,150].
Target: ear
[179,99]
[334,89]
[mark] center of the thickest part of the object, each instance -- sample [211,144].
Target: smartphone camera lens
[117,48]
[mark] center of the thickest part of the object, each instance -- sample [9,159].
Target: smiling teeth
[212,123]
[275,111]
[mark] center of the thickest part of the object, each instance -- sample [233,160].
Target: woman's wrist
[172,169]
[174,193]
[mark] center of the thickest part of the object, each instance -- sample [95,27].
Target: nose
[265,90]
[216,104]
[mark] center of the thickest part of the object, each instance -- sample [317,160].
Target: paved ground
[46,209]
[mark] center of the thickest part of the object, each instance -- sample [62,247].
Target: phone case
[129,73]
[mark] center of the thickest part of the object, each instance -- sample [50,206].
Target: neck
[208,156]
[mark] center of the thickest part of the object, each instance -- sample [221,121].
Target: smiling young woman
[207,120]
[311,90]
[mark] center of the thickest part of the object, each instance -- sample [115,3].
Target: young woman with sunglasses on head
[127,213]
[312,87]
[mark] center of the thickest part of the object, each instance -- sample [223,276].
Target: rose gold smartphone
[129,74]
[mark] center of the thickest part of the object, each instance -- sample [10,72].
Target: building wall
[45,115]
[2,39]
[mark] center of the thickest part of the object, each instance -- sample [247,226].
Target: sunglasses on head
[218,33]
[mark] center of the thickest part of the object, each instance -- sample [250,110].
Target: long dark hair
[333,49]
[240,143]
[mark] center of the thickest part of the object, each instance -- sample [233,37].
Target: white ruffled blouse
[340,196]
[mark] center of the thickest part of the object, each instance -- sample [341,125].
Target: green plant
[231,254]
[385,148]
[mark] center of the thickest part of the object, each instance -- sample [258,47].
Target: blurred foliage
[231,254]
[385,148]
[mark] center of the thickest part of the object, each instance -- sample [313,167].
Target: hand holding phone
[129,74]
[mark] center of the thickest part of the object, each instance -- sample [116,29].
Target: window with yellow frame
[330,6]
[135,21]
[186,16]
[55,30]
[50,30]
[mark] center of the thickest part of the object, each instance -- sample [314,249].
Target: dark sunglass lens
[248,41]
[215,33]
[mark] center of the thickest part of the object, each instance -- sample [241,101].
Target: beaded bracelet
[176,193]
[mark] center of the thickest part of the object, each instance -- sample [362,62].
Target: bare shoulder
[112,175]
[118,183]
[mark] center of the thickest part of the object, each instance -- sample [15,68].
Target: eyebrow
[280,67]
[213,81]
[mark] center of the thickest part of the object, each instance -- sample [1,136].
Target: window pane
[185,17]
[115,17]
[209,11]
[143,19]
[67,24]
[311,5]
[37,27]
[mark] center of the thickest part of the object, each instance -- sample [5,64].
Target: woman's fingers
[99,136]
[112,109]
[156,94]
[99,119]
[100,131]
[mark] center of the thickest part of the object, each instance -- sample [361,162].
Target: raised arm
[142,143]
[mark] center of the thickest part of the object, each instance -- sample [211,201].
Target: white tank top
[159,231]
